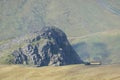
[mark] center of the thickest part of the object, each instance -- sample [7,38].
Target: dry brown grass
[71,72]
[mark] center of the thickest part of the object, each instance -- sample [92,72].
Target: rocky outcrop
[49,47]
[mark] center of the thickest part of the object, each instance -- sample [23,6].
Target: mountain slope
[76,18]
[20,17]
[103,46]
[71,72]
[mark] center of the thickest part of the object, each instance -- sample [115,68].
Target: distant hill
[75,17]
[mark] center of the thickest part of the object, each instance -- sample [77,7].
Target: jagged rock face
[49,47]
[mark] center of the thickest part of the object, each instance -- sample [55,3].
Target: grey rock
[49,47]
[20,57]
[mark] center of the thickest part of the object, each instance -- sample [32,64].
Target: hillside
[91,26]
[71,72]
[103,46]
[75,17]
[46,47]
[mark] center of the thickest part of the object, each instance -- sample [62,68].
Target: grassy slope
[104,46]
[75,17]
[71,72]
